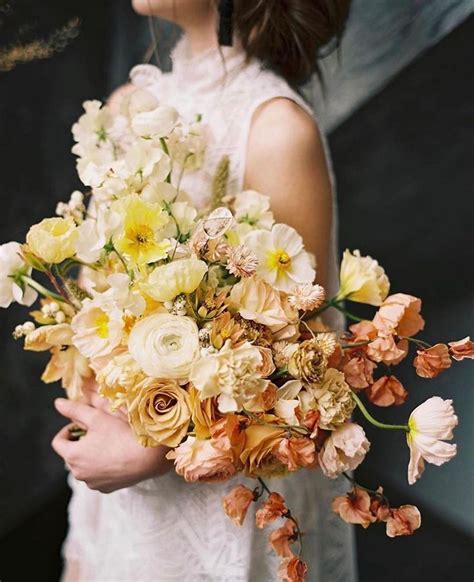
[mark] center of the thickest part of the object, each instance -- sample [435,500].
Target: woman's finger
[61,443]
[98,401]
[77,411]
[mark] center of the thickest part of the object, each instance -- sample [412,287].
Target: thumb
[76,411]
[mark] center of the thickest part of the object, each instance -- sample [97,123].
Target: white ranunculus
[155,124]
[344,450]
[165,345]
[430,425]
[11,266]
[168,281]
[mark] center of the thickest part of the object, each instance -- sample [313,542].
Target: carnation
[333,399]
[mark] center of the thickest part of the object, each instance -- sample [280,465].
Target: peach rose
[204,413]
[403,521]
[387,391]
[267,367]
[400,313]
[200,460]
[296,452]
[461,349]
[385,349]
[160,413]
[359,371]
[237,502]
[258,456]
[430,362]
[354,507]
[292,570]
[271,509]
[281,538]
[264,401]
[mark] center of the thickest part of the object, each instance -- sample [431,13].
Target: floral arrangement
[205,326]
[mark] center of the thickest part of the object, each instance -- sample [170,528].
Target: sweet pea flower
[403,521]
[12,267]
[237,502]
[387,391]
[430,362]
[292,569]
[354,507]
[461,349]
[430,424]
[271,509]
[281,538]
[400,313]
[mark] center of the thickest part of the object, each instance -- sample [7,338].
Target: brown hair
[288,35]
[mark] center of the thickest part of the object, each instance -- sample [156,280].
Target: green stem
[37,287]
[348,314]
[374,492]
[375,422]
[264,485]
[416,341]
[164,146]
[279,374]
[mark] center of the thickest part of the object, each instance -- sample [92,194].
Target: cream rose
[165,345]
[168,281]
[362,279]
[53,239]
[160,413]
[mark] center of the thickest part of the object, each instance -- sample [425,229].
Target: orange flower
[363,331]
[311,421]
[359,370]
[258,455]
[237,502]
[387,391]
[462,349]
[400,313]
[281,538]
[292,570]
[354,507]
[430,362]
[385,349]
[203,412]
[271,509]
[267,367]
[296,452]
[264,401]
[379,507]
[403,521]
[228,434]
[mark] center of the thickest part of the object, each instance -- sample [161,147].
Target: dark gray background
[403,165]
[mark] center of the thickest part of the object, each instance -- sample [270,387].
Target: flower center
[279,259]
[172,342]
[142,235]
[101,325]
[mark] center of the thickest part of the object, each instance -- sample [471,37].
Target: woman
[153,526]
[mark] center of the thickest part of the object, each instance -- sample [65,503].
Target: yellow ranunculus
[167,281]
[363,280]
[53,239]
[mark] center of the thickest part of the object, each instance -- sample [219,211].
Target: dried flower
[430,362]
[403,521]
[241,261]
[333,399]
[387,391]
[292,570]
[461,349]
[359,370]
[308,362]
[307,297]
[281,538]
[271,509]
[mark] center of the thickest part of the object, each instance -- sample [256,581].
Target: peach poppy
[271,509]
[281,538]
[430,362]
[400,313]
[461,349]
[237,502]
[359,370]
[296,452]
[292,569]
[403,521]
[354,507]
[387,391]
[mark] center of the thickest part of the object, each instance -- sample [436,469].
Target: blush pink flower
[461,349]
[292,570]
[430,362]
[343,450]
[387,391]
[281,538]
[403,521]
[400,313]
[296,452]
[363,331]
[200,460]
[237,502]
[385,349]
[354,507]
[271,509]
[359,370]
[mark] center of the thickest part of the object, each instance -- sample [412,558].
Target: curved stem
[416,341]
[348,314]
[38,287]
[375,422]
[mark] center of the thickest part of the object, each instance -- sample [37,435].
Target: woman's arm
[286,161]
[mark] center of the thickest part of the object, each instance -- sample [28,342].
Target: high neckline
[207,70]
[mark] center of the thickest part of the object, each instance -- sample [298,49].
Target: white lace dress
[165,529]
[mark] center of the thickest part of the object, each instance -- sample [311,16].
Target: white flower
[156,123]
[165,345]
[142,161]
[91,130]
[97,328]
[90,241]
[122,295]
[288,401]
[252,211]
[430,424]
[282,258]
[170,280]
[183,217]
[362,279]
[232,374]
[344,450]
[12,267]
[187,145]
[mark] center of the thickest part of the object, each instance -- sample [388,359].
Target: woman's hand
[108,457]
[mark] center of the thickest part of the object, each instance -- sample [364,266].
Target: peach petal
[461,349]
[403,521]
[430,362]
[387,391]
[237,502]
[281,538]
[271,509]
[354,508]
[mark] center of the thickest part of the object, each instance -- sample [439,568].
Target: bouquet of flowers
[205,325]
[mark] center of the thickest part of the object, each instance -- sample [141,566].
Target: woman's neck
[201,35]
